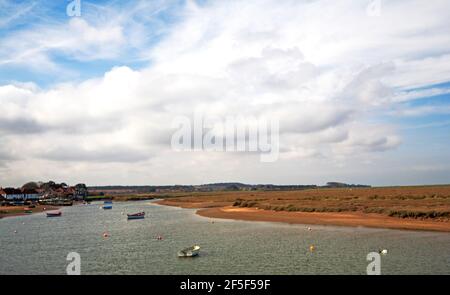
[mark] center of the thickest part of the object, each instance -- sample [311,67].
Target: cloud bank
[335,78]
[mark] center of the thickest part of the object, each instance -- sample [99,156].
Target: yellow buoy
[311,248]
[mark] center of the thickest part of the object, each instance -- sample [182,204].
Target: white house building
[15,194]
[12,193]
[30,194]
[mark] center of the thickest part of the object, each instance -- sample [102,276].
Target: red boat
[54,214]
[140,215]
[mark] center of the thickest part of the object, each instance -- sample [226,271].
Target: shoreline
[15,211]
[225,211]
[348,219]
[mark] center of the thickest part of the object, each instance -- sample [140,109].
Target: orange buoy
[105,235]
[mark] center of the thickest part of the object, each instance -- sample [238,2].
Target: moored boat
[140,215]
[54,214]
[189,252]
[107,207]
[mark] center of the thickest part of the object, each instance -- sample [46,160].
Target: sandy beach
[340,219]
[9,211]
[220,208]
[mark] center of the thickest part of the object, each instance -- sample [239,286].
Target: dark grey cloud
[89,125]
[6,156]
[21,126]
[84,125]
[110,154]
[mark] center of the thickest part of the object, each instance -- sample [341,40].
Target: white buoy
[309,229]
[384,251]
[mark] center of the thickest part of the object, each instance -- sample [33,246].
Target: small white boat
[384,251]
[189,252]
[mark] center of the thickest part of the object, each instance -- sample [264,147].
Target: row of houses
[28,194]
[10,193]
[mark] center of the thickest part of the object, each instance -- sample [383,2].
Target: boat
[54,214]
[140,215]
[107,202]
[107,207]
[57,202]
[28,210]
[189,252]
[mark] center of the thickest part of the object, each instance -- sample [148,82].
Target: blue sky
[359,97]
[35,15]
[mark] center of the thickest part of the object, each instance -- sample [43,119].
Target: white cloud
[422,110]
[77,39]
[323,68]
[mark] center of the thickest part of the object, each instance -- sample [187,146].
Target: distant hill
[340,184]
[227,186]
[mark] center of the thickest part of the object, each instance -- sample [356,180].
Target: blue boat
[107,207]
[107,202]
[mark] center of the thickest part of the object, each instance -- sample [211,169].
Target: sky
[361,90]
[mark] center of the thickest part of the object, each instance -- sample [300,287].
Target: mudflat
[411,208]
[9,211]
[341,219]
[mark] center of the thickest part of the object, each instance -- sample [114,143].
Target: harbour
[41,245]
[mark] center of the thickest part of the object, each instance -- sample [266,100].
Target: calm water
[41,245]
